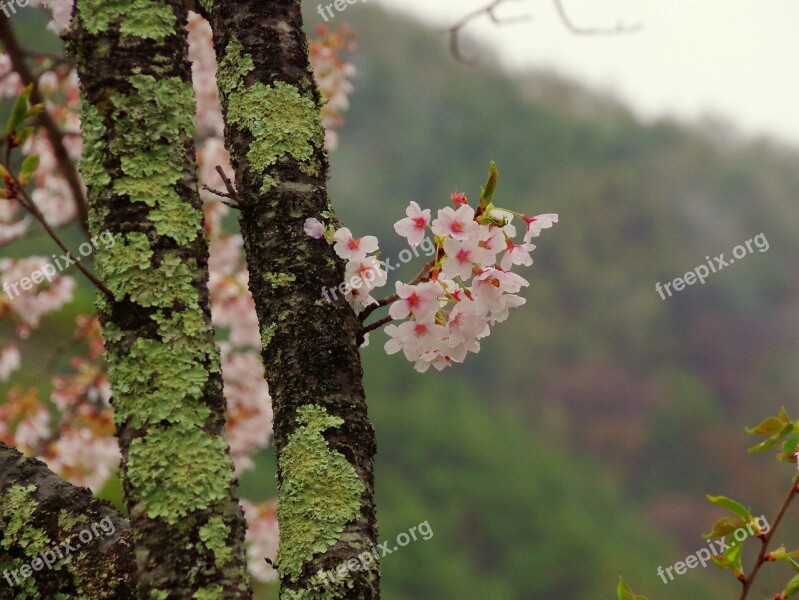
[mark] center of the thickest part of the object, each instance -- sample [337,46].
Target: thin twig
[376,325]
[223,195]
[17,55]
[30,205]
[231,190]
[489,11]
[394,297]
[620,29]
[761,557]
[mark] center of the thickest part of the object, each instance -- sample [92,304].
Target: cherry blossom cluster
[76,440]
[469,286]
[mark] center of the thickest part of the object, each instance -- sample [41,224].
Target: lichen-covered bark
[324,442]
[41,513]
[138,123]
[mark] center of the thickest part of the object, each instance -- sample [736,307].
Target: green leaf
[767,427]
[732,506]
[730,559]
[724,527]
[623,592]
[491,185]
[20,110]
[774,439]
[29,166]
[792,587]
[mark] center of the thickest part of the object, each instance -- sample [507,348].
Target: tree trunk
[138,164]
[42,517]
[324,442]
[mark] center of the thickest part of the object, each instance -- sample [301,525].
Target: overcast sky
[735,58]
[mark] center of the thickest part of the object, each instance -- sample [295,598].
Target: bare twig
[619,29]
[376,325]
[223,195]
[231,190]
[766,539]
[394,297]
[27,202]
[490,11]
[17,55]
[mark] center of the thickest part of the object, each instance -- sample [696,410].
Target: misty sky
[735,58]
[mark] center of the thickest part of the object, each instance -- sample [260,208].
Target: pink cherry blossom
[463,256]
[419,300]
[365,273]
[262,539]
[465,323]
[314,228]
[249,411]
[459,223]
[84,458]
[536,224]
[415,338]
[9,361]
[414,226]
[517,254]
[349,247]
[458,198]
[493,291]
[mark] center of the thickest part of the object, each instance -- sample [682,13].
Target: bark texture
[43,515]
[138,123]
[323,439]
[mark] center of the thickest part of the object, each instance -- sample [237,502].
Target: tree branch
[490,11]
[762,557]
[619,29]
[17,55]
[52,512]
[29,205]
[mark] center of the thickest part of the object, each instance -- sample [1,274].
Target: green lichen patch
[320,493]
[153,125]
[155,382]
[281,121]
[278,280]
[233,68]
[147,19]
[181,327]
[268,334]
[125,273]
[159,595]
[214,535]
[212,592]
[67,521]
[93,132]
[17,507]
[179,470]
[176,219]
[27,589]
